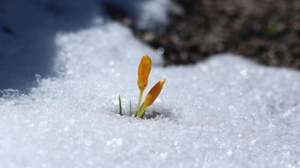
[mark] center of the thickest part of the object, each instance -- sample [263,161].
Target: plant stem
[142,111]
[139,103]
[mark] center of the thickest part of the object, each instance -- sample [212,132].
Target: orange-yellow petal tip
[154,92]
[143,72]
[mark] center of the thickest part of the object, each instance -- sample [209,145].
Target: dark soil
[266,31]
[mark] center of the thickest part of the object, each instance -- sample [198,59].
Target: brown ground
[267,31]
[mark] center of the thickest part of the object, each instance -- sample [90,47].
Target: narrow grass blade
[130,113]
[120,105]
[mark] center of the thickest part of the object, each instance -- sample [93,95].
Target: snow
[224,112]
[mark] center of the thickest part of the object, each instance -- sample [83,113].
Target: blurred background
[266,31]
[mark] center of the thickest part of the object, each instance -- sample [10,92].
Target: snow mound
[226,112]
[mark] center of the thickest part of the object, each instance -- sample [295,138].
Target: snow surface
[225,112]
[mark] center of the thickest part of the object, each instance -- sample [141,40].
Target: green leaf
[142,116]
[141,111]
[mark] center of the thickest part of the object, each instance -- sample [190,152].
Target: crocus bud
[154,92]
[143,72]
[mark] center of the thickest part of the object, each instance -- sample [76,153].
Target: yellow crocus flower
[143,74]
[151,96]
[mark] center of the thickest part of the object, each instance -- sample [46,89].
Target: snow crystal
[225,112]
